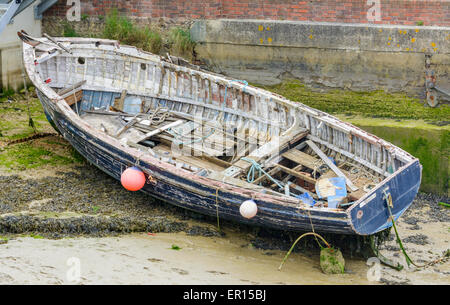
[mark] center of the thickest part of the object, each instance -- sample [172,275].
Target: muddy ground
[54,206]
[75,206]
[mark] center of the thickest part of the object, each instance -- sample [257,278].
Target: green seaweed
[370,104]
[36,236]
[332,261]
[175,247]
[27,156]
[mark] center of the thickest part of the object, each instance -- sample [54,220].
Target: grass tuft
[122,29]
[68,30]
[181,43]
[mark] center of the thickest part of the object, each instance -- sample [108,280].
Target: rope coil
[257,167]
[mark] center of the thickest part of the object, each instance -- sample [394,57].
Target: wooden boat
[121,107]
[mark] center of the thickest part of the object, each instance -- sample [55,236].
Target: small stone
[332,261]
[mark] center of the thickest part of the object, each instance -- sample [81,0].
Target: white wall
[11,47]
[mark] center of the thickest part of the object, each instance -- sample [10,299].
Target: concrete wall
[405,12]
[354,56]
[11,48]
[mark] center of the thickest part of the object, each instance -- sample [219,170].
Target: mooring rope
[30,138]
[298,239]
[409,261]
[217,209]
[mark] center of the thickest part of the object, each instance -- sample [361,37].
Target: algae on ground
[14,120]
[371,104]
[14,125]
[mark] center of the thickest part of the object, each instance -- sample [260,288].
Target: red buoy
[133,179]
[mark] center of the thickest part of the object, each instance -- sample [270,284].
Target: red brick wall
[403,12]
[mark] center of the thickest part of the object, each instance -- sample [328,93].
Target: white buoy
[248,209]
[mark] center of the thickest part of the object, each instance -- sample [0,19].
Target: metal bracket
[388,197]
[435,94]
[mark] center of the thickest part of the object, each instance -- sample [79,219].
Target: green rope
[444,204]
[409,261]
[298,239]
[382,258]
[256,167]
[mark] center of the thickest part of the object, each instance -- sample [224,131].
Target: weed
[68,30]
[181,43]
[36,236]
[122,29]
[25,156]
[175,247]
[6,93]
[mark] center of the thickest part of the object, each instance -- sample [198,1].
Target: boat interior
[219,128]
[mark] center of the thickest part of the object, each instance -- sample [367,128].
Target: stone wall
[399,12]
[352,56]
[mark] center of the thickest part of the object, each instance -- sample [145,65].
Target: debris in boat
[159,130]
[306,198]
[331,164]
[333,189]
[133,179]
[126,126]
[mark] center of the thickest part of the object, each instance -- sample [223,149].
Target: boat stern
[371,215]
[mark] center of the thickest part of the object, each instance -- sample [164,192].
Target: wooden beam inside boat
[297,174]
[302,158]
[159,130]
[325,158]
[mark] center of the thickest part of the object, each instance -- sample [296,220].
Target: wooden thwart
[73,93]
[301,158]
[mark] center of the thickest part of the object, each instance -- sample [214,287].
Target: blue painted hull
[200,198]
